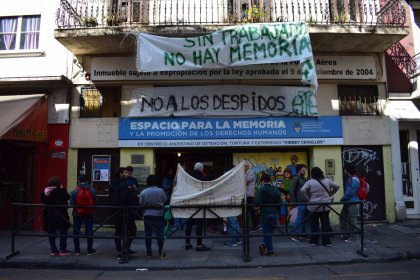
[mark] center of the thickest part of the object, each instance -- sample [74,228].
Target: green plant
[341,18]
[89,21]
[113,19]
[255,14]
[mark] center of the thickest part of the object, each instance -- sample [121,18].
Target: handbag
[325,188]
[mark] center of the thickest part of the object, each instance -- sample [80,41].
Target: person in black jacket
[121,194]
[56,218]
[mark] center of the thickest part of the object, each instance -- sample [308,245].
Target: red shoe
[65,253]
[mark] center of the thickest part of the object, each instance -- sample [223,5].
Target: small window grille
[359,100]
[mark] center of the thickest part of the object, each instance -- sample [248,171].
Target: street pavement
[383,242]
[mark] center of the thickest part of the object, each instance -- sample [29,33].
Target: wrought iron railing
[416,71]
[359,106]
[408,65]
[79,14]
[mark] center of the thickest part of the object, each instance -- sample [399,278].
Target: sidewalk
[383,242]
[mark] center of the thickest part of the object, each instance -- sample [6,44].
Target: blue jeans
[233,229]
[268,223]
[300,225]
[153,224]
[77,224]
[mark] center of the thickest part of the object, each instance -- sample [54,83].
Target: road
[406,270]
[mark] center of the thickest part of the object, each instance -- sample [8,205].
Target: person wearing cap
[250,194]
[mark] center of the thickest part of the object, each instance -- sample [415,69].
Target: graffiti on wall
[358,156]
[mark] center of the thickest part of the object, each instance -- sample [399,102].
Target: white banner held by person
[229,189]
[248,44]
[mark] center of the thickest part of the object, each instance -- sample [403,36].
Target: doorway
[214,160]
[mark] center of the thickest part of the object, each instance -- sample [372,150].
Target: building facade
[153,120]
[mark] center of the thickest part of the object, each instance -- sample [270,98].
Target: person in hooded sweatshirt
[268,194]
[56,218]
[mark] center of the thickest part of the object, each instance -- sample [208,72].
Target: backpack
[363,190]
[84,198]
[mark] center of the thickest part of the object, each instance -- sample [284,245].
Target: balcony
[109,26]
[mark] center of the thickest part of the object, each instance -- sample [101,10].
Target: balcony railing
[410,66]
[109,13]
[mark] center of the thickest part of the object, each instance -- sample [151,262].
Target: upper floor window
[358,100]
[19,33]
[100,102]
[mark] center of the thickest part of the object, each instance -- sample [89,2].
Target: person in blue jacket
[348,215]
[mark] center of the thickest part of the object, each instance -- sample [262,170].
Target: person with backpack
[83,195]
[56,218]
[348,215]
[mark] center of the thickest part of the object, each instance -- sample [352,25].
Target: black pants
[199,223]
[120,220]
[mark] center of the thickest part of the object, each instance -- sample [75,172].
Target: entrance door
[17,166]
[409,143]
[214,161]
[368,161]
[85,166]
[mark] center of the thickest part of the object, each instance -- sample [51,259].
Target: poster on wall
[273,164]
[101,168]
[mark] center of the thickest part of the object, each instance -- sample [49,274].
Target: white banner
[259,43]
[229,189]
[225,100]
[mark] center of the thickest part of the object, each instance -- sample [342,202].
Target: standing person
[132,199]
[296,196]
[198,174]
[83,195]
[250,195]
[56,218]
[319,189]
[153,196]
[120,196]
[293,165]
[268,194]
[348,215]
[232,224]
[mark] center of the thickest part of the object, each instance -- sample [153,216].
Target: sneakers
[188,246]
[163,256]
[327,245]
[239,242]
[202,248]
[54,254]
[131,252]
[313,244]
[119,256]
[261,249]
[270,253]
[254,229]
[295,238]
[348,240]
[64,253]
[92,252]
[76,253]
[149,257]
[230,244]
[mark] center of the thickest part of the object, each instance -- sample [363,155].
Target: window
[19,33]
[358,100]
[100,102]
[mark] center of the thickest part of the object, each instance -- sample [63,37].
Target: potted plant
[113,19]
[89,21]
[255,14]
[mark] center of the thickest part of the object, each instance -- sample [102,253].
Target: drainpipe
[400,209]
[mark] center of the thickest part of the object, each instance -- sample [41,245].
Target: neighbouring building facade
[34,105]
[403,61]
